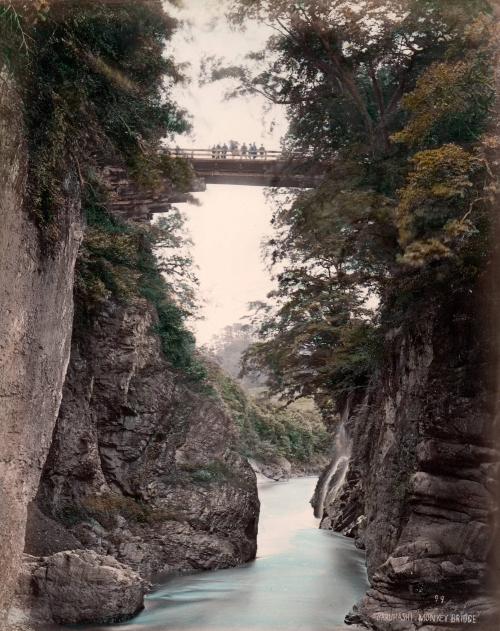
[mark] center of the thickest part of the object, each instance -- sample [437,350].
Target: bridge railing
[220,154]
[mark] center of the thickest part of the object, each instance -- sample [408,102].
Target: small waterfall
[336,474]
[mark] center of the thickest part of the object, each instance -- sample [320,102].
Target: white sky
[216,120]
[227,230]
[228,227]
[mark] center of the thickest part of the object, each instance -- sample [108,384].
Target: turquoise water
[304,579]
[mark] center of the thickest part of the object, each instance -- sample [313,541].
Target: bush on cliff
[267,430]
[117,259]
[96,81]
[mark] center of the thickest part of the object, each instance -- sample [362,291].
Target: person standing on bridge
[224,151]
[253,151]
[218,150]
[262,152]
[214,152]
[234,148]
[244,151]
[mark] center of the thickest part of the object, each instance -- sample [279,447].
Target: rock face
[279,469]
[142,466]
[36,313]
[419,492]
[128,201]
[77,586]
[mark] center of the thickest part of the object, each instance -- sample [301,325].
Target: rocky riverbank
[143,468]
[418,493]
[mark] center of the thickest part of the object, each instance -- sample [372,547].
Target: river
[304,579]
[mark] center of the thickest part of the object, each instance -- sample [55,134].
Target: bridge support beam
[274,173]
[241,179]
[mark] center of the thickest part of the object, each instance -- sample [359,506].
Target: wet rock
[278,469]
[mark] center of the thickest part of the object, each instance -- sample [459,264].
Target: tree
[395,95]
[342,68]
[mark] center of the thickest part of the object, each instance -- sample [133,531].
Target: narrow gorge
[147,478]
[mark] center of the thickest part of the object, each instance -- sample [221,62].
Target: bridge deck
[271,168]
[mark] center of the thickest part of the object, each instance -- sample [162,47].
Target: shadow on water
[304,579]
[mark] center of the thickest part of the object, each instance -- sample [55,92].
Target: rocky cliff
[128,200]
[36,313]
[142,477]
[419,490]
[143,465]
[142,474]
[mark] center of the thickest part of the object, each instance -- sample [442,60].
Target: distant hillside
[280,441]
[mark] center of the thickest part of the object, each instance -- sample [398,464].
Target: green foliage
[176,170]
[106,256]
[320,359]
[334,245]
[395,95]
[295,434]
[442,215]
[341,68]
[435,216]
[268,430]
[118,260]
[95,83]
[105,508]
[442,106]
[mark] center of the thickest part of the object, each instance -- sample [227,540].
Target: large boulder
[77,586]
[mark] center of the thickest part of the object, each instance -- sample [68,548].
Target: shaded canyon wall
[128,469]
[419,492]
[143,465]
[36,312]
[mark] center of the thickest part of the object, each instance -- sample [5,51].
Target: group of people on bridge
[249,151]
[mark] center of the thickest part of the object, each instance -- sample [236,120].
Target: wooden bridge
[268,168]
